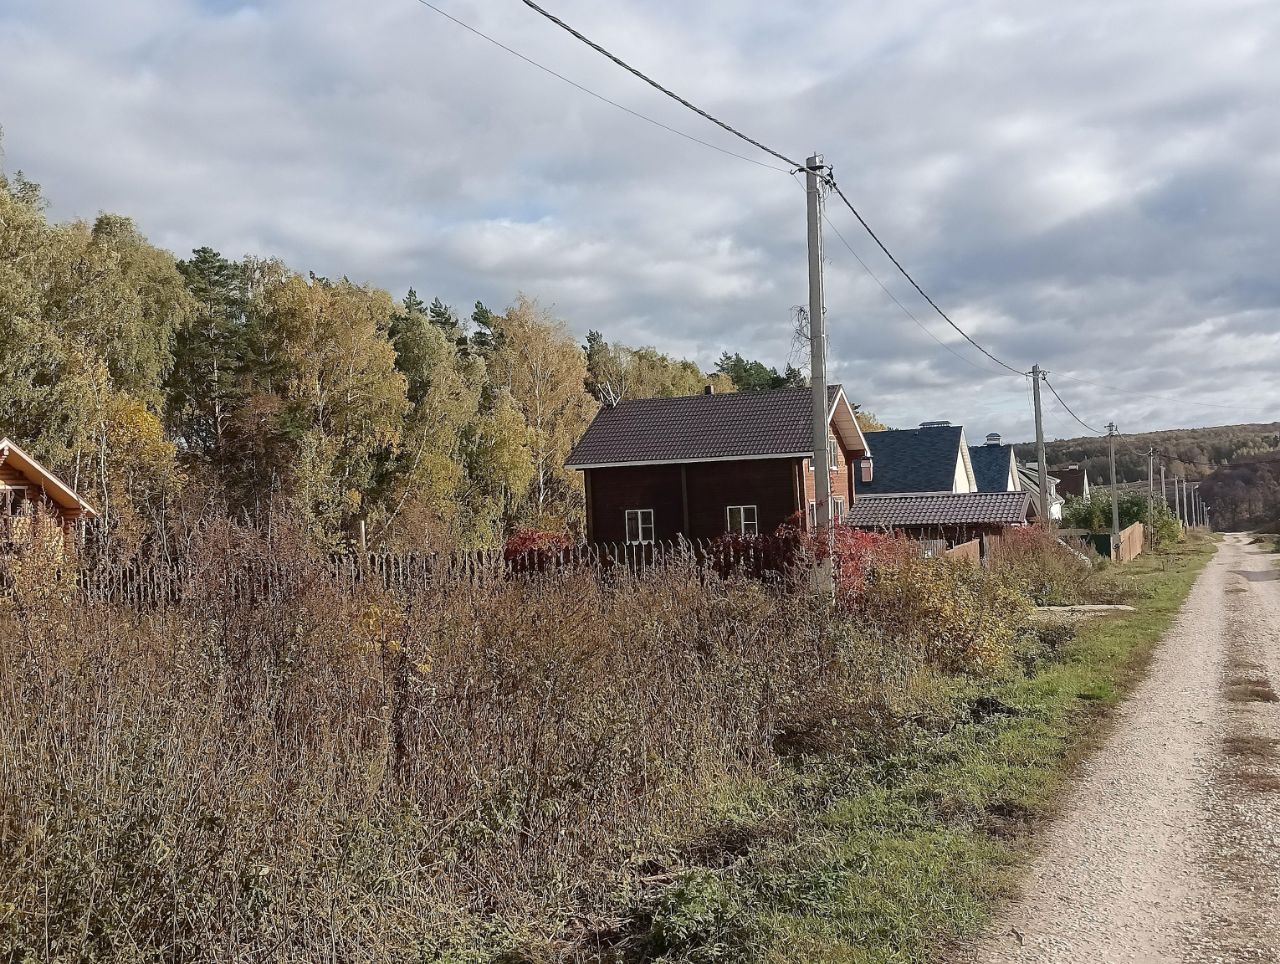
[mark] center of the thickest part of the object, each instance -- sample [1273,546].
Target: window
[833,456]
[639,526]
[837,513]
[741,519]
[12,499]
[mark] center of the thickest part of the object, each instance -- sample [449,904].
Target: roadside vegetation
[560,766]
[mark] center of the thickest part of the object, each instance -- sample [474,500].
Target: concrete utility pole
[1115,494]
[1151,495]
[818,369]
[1042,472]
[1164,491]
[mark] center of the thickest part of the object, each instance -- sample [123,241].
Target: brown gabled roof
[938,509]
[705,428]
[54,488]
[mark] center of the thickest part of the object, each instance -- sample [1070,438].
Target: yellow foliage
[956,616]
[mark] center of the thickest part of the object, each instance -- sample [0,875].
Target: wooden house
[27,486]
[704,465]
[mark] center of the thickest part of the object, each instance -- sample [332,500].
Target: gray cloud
[1088,185]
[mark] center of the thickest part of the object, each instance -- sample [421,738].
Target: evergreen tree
[208,354]
[443,317]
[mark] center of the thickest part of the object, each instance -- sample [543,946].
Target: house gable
[995,468]
[16,464]
[932,458]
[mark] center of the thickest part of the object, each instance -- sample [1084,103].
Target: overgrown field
[552,767]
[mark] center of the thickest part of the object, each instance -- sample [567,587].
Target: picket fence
[159,584]
[257,579]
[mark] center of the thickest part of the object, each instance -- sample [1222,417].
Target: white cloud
[1087,185]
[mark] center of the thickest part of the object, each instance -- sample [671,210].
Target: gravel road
[1169,844]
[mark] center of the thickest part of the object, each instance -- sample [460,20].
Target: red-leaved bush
[534,543]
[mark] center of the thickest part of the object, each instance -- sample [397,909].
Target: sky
[1088,186]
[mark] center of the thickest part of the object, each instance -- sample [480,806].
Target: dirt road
[1169,845]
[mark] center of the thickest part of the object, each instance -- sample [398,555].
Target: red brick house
[702,465]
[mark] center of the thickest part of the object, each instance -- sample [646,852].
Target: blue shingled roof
[913,460]
[991,466]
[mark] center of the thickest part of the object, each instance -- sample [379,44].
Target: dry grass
[328,774]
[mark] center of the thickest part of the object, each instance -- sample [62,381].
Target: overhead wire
[894,298]
[1164,398]
[600,97]
[828,177]
[915,284]
[655,85]
[1049,385]
[795,166]
[1214,465]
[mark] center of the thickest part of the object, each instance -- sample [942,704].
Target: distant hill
[1244,495]
[1218,444]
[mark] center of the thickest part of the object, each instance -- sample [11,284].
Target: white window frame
[644,521]
[745,527]
[838,510]
[833,457]
[13,496]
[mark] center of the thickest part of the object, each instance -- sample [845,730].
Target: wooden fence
[970,551]
[156,585]
[1131,543]
[260,579]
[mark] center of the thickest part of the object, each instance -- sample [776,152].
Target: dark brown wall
[768,484]
[613,491]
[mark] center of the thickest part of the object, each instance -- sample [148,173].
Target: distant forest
[1223,458]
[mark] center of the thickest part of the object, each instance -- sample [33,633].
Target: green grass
[897,856]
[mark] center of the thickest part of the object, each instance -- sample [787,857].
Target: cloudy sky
[1090,185]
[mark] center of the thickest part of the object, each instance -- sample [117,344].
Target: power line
[894,298]
[794,165]
[906,274]
[768,150]
[600,97]
[657,86]
[1069,411]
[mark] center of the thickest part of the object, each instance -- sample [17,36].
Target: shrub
[955,616]
[1049,572]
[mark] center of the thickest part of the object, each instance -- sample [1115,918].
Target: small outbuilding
[26,485]
[954,517]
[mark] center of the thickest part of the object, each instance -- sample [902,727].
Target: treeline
[162,389]
[1212,446]
[1245,496]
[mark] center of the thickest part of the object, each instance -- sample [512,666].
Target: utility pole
[1164,491]
[818,372]
[1151,495]
[1115,493]
[1042,472]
